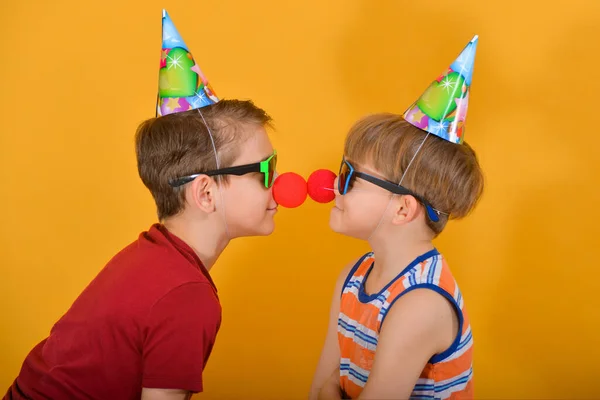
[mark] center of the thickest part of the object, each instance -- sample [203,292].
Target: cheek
[363,211]
[247,201]
[379,206]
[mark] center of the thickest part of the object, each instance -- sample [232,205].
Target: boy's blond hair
[445,174]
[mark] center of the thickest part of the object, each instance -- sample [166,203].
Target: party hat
[181,84]
[442,108]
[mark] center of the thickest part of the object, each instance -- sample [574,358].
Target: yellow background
[77,77]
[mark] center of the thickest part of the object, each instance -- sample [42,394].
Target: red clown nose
[320,186]
[290,189]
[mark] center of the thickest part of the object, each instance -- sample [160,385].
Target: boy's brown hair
[445,174]
[179,144]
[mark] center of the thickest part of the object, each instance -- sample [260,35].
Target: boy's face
[359,211]
[249,206]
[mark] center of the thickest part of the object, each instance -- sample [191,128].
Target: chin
[335,226]
[268,229]
[334,221]
[262,229]
[338,227]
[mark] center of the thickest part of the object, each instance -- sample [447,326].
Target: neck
[394,252]
[206,235]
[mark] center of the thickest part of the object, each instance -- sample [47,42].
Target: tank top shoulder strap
[358,271]
[425,271]
[429,272]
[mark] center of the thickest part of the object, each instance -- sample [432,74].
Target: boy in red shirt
[146,325]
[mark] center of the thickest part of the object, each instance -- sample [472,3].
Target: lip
[272,209]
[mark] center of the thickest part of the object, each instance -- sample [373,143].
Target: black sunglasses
[266,167]
[348,174]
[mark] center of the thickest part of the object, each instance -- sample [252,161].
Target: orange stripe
[450,369]
[447,282]
[466,321]
[359,355]
[364,314]
[364,266]
[466,393]
[397,287]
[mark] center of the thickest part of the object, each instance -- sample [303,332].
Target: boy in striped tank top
[399,327]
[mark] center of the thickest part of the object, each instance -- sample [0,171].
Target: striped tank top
[448,375]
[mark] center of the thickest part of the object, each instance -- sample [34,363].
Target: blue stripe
[432,268]
[357,333]
[454,383]
[357,375]
[353,372]
[354,283]
[346,326]
[414,276]
[439,388]
[458,298]
[464,343]
[365,337]
[427,386]
[382,311]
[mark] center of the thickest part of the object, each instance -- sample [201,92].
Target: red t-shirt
[149,319]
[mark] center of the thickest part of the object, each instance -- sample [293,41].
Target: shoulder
[147,272]
[158,257]
[422,303]
[422,316]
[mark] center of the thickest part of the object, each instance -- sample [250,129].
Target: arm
[331,388]
[165,394]
[329,361]
[178,338]
[419,325]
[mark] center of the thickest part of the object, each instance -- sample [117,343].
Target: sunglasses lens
[271,170]
[344,183]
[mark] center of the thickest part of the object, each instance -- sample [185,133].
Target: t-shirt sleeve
[180,333]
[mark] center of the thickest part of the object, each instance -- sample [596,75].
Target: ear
[406,209]
[201,193]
